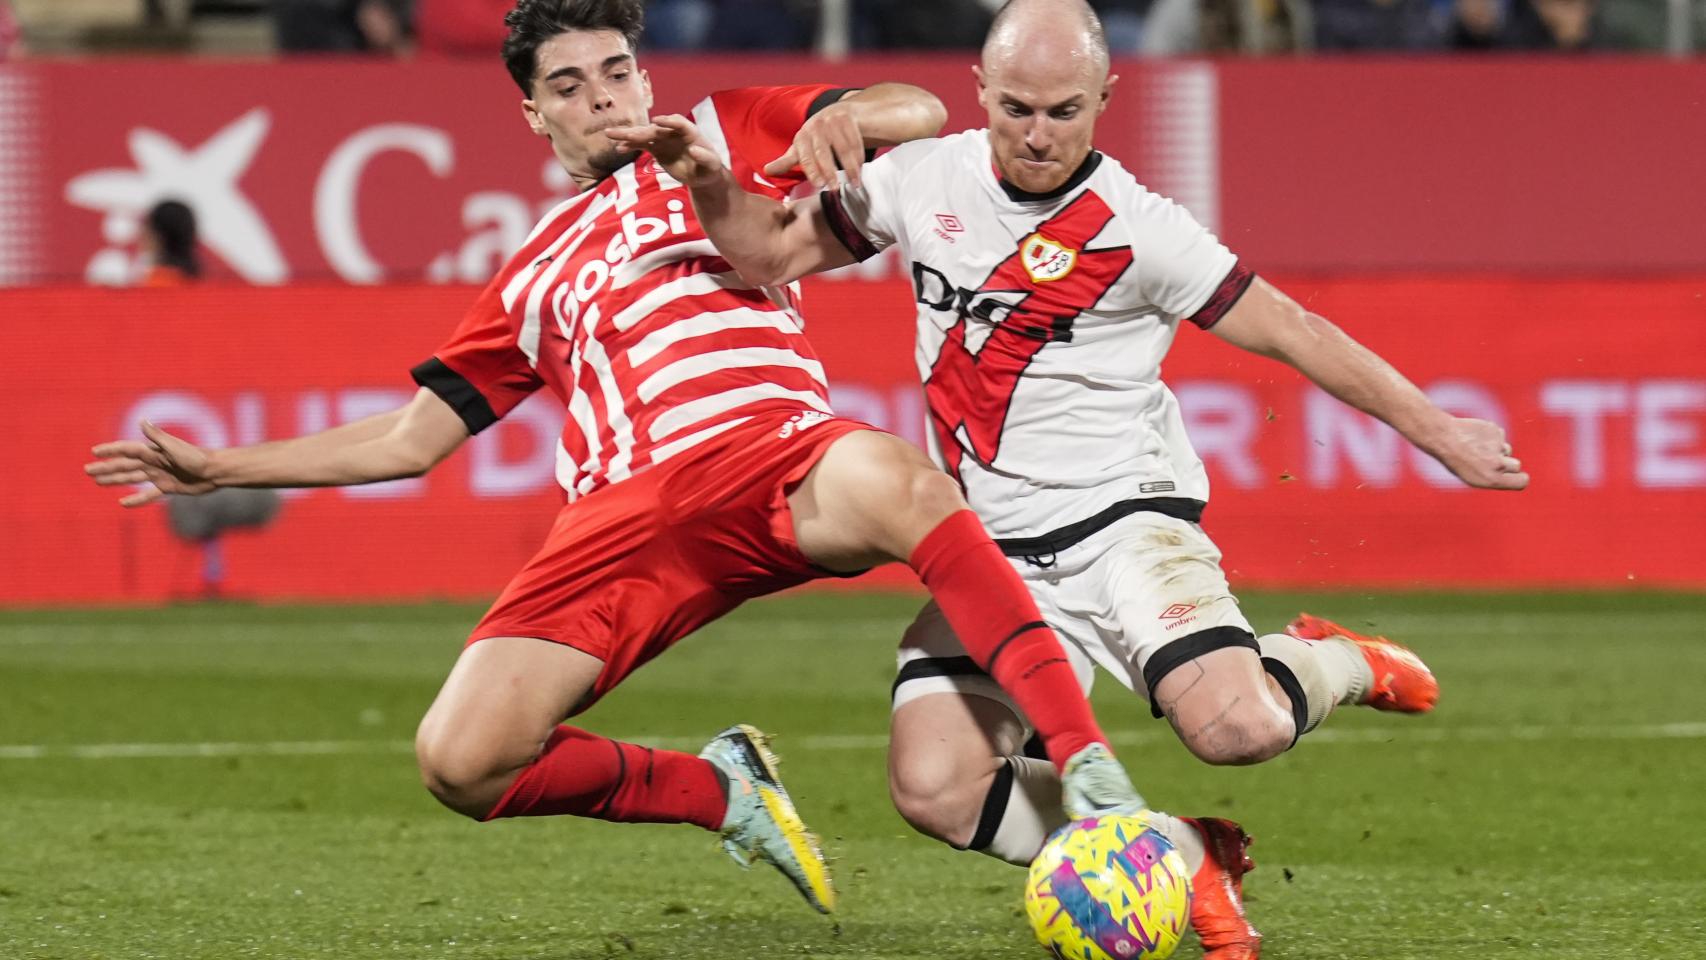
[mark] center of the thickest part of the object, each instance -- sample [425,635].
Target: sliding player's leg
[619,580]
[871,498]
[493,745]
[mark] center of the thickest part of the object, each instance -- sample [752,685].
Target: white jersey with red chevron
[619,304]
[1042,323]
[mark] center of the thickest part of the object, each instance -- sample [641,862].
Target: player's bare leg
[491,719]
[869,500]
[946,754]
[872,498]
[1226,709]
[493,745]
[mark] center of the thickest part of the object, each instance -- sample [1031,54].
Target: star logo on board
[205,178]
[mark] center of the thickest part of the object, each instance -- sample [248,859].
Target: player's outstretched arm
[768,242]
[881,115]
[1268,322]
[405,442]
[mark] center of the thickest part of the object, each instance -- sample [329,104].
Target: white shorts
[1138,597]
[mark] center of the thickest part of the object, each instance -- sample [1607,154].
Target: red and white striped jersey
[619,304]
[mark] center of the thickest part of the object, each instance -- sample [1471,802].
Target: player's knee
[931,496]
[1240,736]
[937,797]
[462,776]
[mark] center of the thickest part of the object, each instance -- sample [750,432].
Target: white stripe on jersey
[692,285]
[701,364]
[704,324]
[615,416]
[664,451]
[528,338]
[704,408]
[587,218]
[555,212]
[580,411]
[711,129]
[566,470]
[645,263]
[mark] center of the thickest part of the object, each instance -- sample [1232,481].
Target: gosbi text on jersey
[623,309]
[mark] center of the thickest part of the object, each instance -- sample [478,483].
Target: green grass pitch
[226,782]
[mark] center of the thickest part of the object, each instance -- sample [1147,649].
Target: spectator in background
[762,25]
[169,250]
[679,24]
[912,25]
[11,34]
[461,28]
[1525,25]
[1123,23]
[1377,25]
[169,246]
[340,26]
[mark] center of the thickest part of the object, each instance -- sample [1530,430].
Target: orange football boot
[1402,682]
[1217,891]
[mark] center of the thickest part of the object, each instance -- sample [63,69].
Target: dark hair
[533,22]
[172,223]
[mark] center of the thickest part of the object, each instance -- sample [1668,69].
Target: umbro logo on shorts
[1179,614]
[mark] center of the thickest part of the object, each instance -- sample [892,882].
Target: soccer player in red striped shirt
[700,458]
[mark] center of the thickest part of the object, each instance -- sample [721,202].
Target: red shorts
[631,568]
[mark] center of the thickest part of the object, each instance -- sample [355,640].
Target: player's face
[586,82]
[1042,118]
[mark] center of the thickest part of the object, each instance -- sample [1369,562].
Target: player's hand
[166,463]
[677,145]
[1478,453]
[1095,784]
[830,137]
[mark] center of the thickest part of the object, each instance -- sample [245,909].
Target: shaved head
[1062,34]
[1044,80]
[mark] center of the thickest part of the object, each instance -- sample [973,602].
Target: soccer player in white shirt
[1049,286]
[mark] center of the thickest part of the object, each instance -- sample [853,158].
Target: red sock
[999,624]
[589,776]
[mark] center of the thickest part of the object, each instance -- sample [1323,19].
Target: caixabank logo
[205,177]
[324,172]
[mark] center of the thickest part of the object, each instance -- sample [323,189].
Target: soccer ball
[1109,888]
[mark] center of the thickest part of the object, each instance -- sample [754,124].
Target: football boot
[762,823]
[1217,891]
[1402,682]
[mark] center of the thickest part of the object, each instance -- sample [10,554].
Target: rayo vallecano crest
[1045,259]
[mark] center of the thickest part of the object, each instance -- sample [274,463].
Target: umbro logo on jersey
[1045,260]
[947,224]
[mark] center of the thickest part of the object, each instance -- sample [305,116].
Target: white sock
[1327,672]
[1184,839]
[1033,811]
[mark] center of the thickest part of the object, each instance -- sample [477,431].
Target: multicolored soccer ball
[1109,888]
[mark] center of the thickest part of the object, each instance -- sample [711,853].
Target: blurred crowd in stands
[1134,27]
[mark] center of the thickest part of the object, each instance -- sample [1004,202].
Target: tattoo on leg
[1170,706]
[1219,720]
